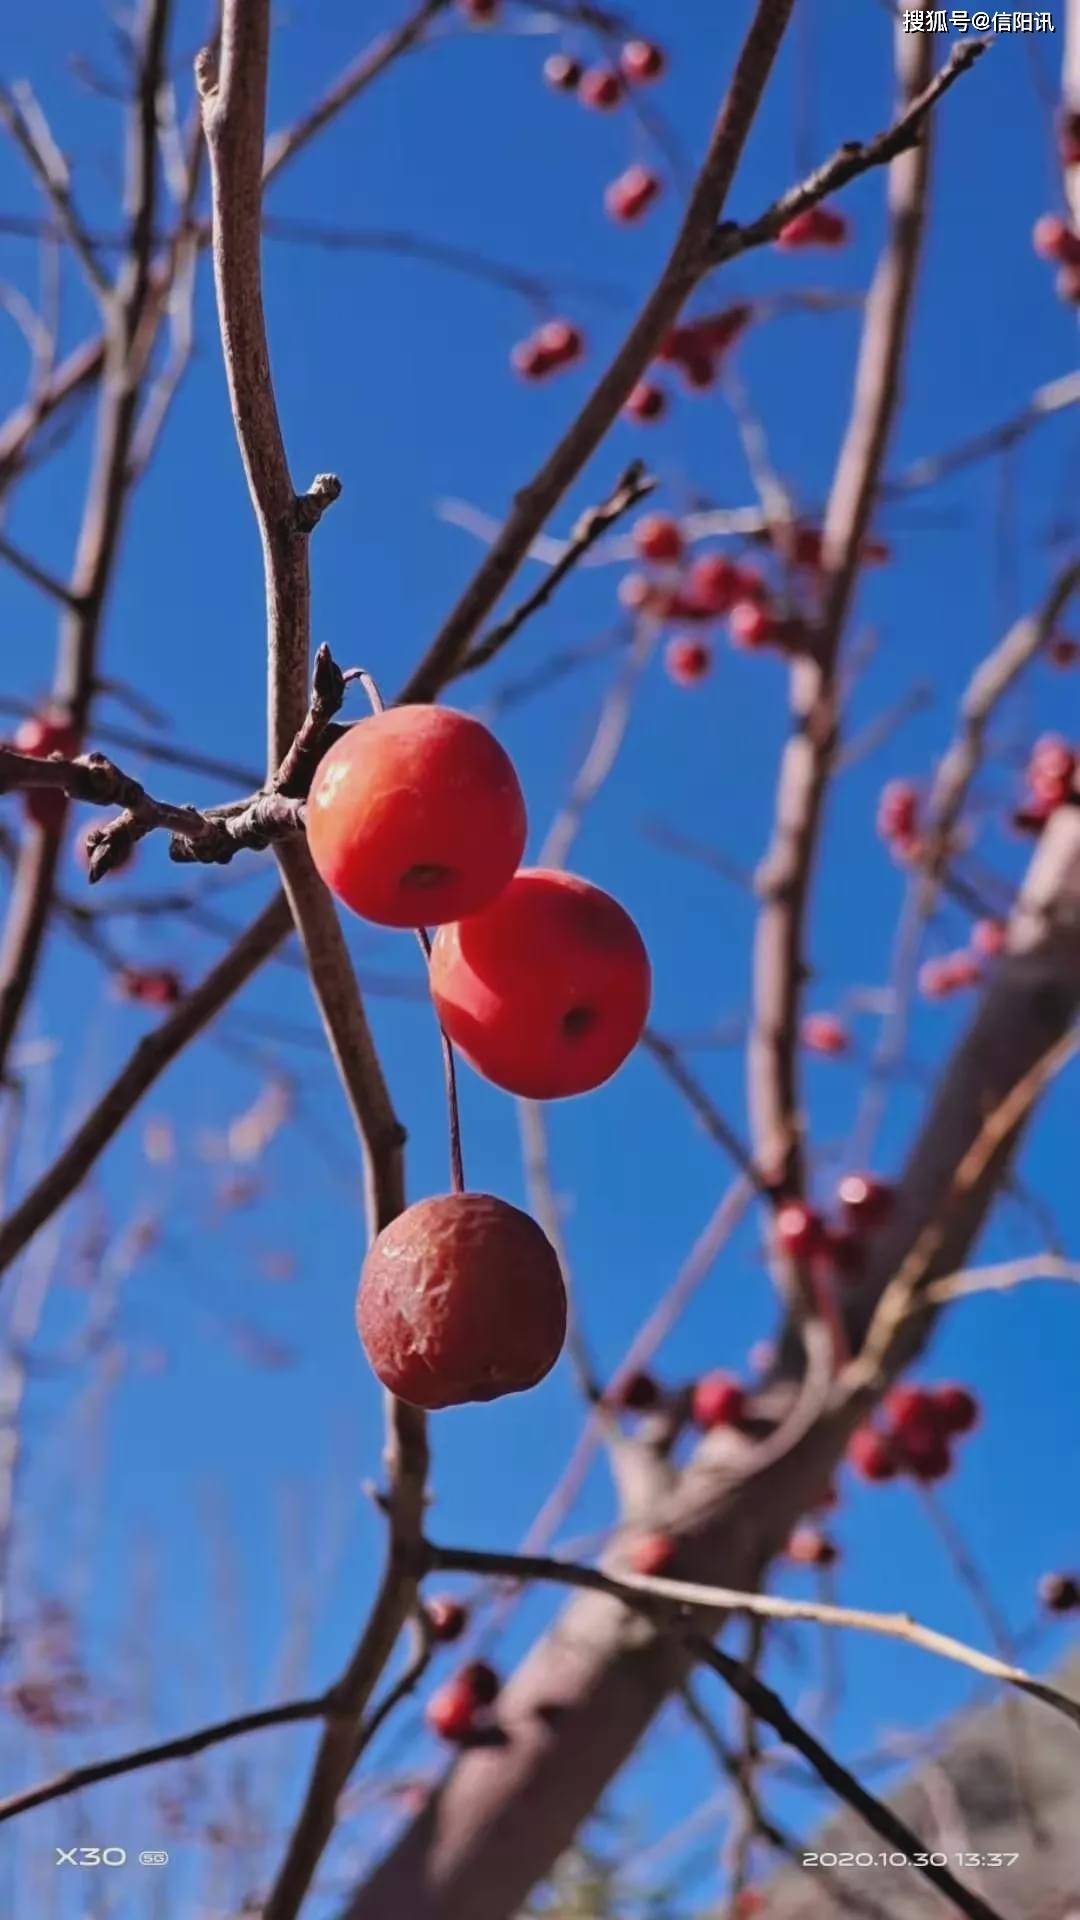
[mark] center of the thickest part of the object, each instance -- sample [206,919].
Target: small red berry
[600,88]
[479,11]
[719,331]
[913,1410]
[1054,239]
[951,974]
[415,817]
[872,1454]
[446,1618]
[687,661]
[40,736]
[717,1401]
[751,625]
[1060,1592]
[925,1456]
[958,1410]
[1063,650]
[547,990]
[713,584]
[810,1548]
[628,197]
[439,1324]
[1051,770]
[818,227]
[898,810]
[866,1200]
[825,1033]
[645,402]
[658,537]
[638,1393]
[797,1230]
[641,60]
[529,360]
[451,1711]
[562,340]
[482,1682]
[150,986]
[1067,284]
[637,593]
[562,73]
[653,1553]
[988,938]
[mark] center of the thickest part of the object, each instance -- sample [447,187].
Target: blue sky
[395,374]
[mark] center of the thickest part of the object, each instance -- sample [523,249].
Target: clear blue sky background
[202,1512]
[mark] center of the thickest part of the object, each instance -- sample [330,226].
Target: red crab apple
[479,11]
[628,197]
[637,1393]
[713,583]
[41,735]
[810,1548]
[1060,1592]
[1053,239]
[825,1033]
[818,227]
[447,1618]
[925,1457]
[718,1401]
[872,1454]
[656,536]
[646,402]
[415,817]
[913,1411]
[988,938]
[562,72]
[687,661]
[461,1298]
[866,1200]
[451,1711]
[797,1230]
[547,990]
[600,88]
[642,60]
[958,1410]
[653,1553]
[751,625]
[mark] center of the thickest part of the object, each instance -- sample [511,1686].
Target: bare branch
[1001,1277]
[22,115]
[37,576]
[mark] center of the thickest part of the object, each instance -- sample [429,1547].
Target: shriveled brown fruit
[461,1298]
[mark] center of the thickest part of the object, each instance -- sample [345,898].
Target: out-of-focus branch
[807,763]
[155,1051]
[1047,400]
[24,119]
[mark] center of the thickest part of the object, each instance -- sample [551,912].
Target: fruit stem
[457,1165]
[362,677]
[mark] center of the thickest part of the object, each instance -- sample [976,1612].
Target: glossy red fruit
[461,1298]
[810,1548]
[638,1393]
[451,1711]
[687,661]
[562,340]
[546,992]
[824,1033]
[628,197]
[718,1400]
[866,1200]
[988,938]
[797,1230]
[958,1410]
[646,402]
[1060,1592]
[713,584]
[653,1553]
[818,227]
[41,735]
[656,536]
[898,810]
[447,1618]
[600,88]
[150,986]
[872,1455]
[751,625]
[415,817]
[562,73]
[1054,239]
[641,61]
[926,1457]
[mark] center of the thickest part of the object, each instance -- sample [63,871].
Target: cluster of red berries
[41,735]
[1056,241]
[602,88]
[819,226]
[1050,780]
[920,1426]
[460,1709]
[555,345]
[416,818]
[150,986]
[898,820]
[696,349]
[834,1247]
[1060,1592]
[711,588]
